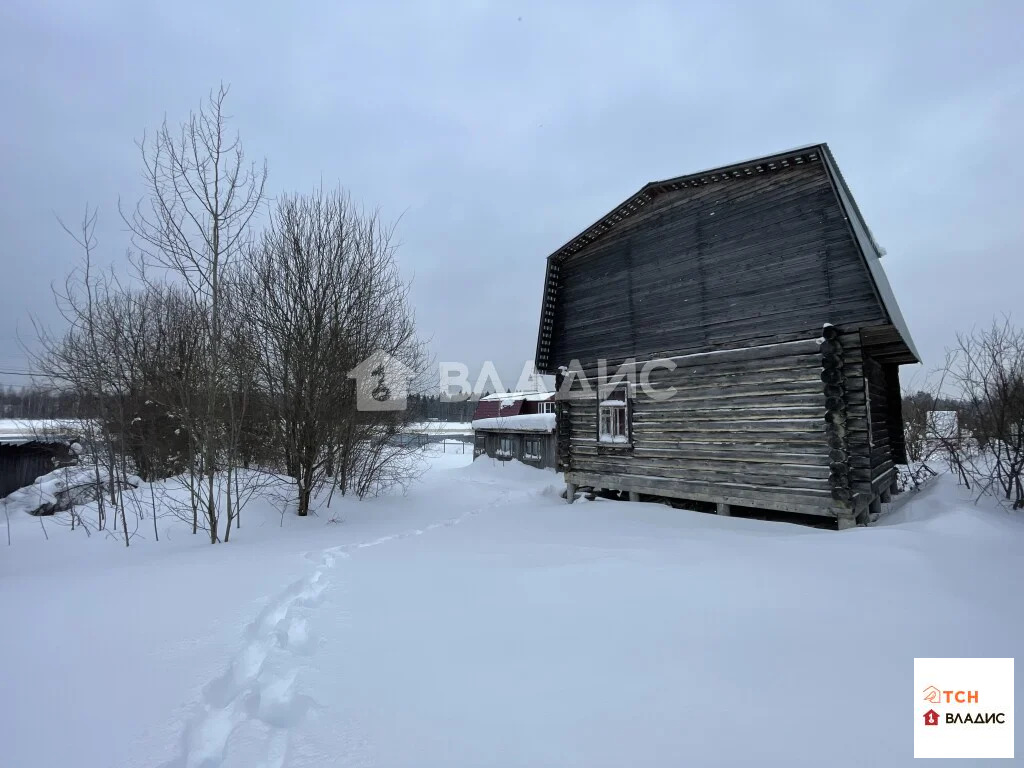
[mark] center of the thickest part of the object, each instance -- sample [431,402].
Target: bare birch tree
[203,196]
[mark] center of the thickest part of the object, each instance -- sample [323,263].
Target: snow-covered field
[480,620]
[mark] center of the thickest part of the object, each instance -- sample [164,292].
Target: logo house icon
[932,695]
[931,717]
[382,383]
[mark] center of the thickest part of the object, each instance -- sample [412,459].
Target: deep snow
[480,620]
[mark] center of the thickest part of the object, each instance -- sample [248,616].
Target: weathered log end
[836,417]
[835,390]
[842,494]
[831,375]
[830,347]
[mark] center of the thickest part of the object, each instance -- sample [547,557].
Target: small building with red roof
[516,425]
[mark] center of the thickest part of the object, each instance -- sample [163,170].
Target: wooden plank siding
[736,263]
[487,443]
[20,465]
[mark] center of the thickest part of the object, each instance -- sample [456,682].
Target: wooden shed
[730,337]
[23,458]
[516,425]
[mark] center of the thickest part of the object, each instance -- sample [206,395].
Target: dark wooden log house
[757,290]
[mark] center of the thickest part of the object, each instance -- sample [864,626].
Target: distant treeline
[423,407]
[44,403]
[38,403]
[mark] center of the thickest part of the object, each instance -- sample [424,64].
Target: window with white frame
[613,417]
[547,407]
[532,449]
[505,447]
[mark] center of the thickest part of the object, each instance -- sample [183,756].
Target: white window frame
[547,406]
[613,418]
[529,455]
[502,451]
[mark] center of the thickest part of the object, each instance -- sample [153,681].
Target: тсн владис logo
[935,695]
[971,715]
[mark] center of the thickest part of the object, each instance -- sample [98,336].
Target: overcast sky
[495,132]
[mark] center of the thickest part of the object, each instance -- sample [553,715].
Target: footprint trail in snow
[251,691]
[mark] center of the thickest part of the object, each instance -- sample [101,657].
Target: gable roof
[871,253]
[489,408]
[640,200]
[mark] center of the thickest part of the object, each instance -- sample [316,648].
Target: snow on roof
[22,431]
[513,396]
[526,422]
[871,252]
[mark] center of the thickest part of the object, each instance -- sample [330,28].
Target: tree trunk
[211,507]
[227,503]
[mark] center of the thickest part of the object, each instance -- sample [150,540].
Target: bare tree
[203,197]
[83,359]
[915,410]
[986,371]
[227,358]
[325,294]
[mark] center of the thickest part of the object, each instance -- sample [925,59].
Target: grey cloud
[492,139]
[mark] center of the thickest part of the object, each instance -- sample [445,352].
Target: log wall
[743,427]
[733,280]
[871,409]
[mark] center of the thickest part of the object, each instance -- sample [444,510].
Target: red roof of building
[491,409]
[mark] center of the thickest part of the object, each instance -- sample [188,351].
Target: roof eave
[869,251]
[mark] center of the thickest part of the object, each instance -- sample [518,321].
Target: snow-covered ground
[480,620]
[441,428]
